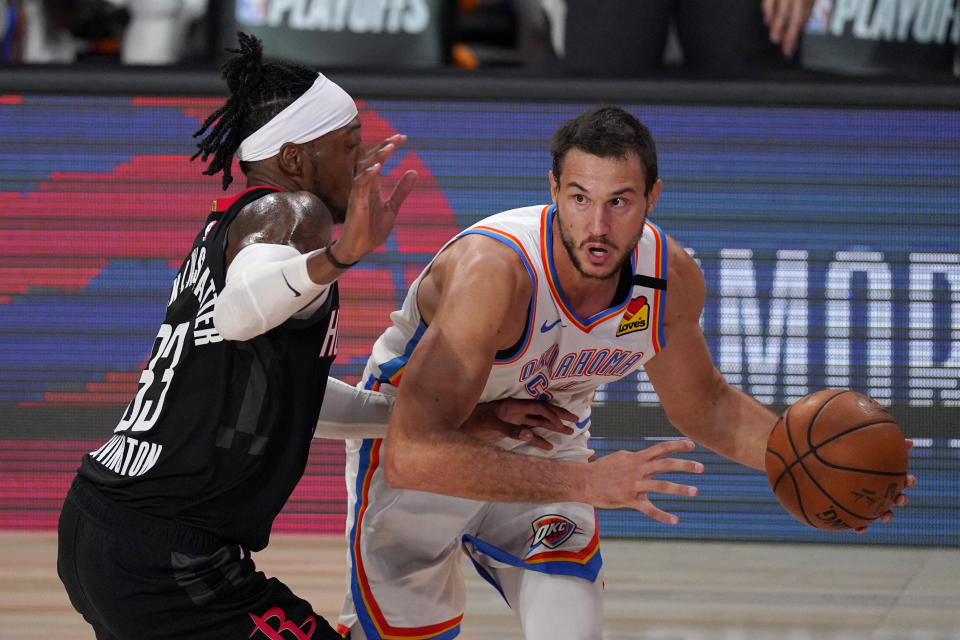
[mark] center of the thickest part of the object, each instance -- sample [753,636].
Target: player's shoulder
[283,204]
[513,217]
[681,266]
[686,289]
[481,259]
[481,253]
[297,218]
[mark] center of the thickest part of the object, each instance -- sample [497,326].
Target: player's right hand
[370,218]
[624,478]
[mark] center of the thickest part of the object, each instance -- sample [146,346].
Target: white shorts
[403,565]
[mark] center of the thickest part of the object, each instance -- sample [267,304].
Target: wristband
[334,261]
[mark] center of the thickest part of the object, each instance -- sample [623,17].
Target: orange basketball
[836,460]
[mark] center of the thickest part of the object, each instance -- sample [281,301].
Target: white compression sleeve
[351,413]
[265,285]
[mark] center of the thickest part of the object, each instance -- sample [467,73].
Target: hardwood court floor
[654,590]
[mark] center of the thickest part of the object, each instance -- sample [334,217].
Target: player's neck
[266,177]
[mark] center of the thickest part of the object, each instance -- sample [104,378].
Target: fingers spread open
[558,413]
[528,436]
[367,175]
[648,508]
[673,465]
[402,190]
[665,486]
[381,151]
[550,423]
[666,448]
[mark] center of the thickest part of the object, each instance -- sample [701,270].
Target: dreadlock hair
[258,92]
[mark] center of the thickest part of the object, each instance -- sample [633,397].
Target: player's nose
[598,222]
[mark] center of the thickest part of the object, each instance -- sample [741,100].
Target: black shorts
[135,576]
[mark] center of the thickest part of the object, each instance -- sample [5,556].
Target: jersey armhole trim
[513,353]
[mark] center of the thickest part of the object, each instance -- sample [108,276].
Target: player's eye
[579,198]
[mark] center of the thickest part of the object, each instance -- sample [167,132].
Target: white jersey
[561,358]
[403,554]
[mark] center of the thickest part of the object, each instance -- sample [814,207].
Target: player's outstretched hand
[514,418]
[624,478]
[901,500]
[370,218]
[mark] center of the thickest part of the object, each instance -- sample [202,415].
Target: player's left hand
[901,500]
[513,418]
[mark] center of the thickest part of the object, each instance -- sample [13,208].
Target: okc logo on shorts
[551,531]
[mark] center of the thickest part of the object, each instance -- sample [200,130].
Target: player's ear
[290,159]
[554,187]
[654,195]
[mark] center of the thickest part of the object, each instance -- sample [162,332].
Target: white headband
[323,108]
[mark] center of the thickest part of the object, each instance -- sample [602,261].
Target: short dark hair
[258,92]
[606,132]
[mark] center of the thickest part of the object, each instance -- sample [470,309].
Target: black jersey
[218,434]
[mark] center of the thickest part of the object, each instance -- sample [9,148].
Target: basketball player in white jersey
[549,303]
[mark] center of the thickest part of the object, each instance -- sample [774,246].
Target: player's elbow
[232,322]
[394,472]
[400,468]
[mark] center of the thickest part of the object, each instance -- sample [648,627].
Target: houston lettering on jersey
[127,456]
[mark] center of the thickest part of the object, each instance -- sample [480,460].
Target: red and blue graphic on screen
[100,203]
[827,238]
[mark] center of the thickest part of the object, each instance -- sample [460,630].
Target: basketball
[836,460]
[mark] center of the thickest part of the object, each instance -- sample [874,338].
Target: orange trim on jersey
[517,245]
[222,204]
[386,630]
[655,324]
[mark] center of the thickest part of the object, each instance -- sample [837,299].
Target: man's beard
[578,263]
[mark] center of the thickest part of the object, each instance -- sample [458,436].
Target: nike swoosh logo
[296,294]
[544,328]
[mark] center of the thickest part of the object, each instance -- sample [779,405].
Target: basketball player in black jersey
[157,529]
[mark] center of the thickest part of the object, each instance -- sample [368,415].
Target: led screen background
[829,240]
